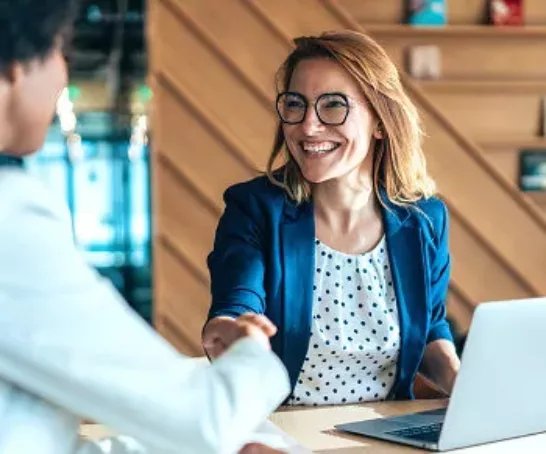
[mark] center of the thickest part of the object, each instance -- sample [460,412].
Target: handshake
[221,332]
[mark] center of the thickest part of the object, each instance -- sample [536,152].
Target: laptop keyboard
[428,433]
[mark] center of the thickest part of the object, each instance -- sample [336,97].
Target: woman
[344,247]
[70,347]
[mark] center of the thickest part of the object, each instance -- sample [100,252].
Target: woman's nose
[311,122]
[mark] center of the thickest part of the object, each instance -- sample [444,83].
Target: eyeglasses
[331,108]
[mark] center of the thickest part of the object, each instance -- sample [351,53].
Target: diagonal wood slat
[207,153]
[212,84]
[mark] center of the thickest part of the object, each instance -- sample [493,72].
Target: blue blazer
[263,262]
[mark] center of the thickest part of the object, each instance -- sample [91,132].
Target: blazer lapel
[298,252]
[405,248]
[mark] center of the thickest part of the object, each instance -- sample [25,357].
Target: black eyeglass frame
[316,102]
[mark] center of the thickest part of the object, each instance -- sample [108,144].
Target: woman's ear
[378,131]
[13,73]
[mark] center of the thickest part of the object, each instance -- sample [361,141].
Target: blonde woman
[344,247]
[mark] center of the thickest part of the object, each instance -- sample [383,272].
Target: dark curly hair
[29,29]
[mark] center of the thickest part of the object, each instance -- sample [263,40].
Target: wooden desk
[314,429]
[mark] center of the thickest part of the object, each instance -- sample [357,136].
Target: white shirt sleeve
[67,337]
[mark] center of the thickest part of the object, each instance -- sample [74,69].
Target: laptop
[499,393]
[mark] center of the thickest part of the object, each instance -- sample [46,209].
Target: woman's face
[326,152]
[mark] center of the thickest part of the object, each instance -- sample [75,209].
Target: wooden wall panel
[183,218]
[507,163]
[504,156]
[195,148]
[295,18]
[212,67]
[376,11]
[473,192]
[181,296]
[239,41]
[200,73]
[488,279]
[482,112]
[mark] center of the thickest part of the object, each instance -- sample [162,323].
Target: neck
[345,203]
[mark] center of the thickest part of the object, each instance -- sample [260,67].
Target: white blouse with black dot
[355,334]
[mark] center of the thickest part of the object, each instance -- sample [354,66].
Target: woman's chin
[316,177]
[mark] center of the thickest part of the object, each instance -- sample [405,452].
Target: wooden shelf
[493,144]
[504,86]
[460,31]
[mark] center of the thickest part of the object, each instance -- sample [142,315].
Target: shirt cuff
[440,331]
[273,381]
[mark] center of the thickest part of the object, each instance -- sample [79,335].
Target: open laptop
[499,393]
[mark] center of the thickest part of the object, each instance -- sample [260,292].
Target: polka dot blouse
[355,334]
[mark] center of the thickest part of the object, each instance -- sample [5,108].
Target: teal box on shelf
[427,13]
[532,170]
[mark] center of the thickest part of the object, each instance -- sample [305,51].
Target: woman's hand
[441,364]
[221,332]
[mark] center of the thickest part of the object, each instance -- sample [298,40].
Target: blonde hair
[398,162]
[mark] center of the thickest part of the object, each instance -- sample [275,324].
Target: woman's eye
[335,104]
[294,104]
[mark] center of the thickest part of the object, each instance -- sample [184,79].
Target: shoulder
[432,217]
[36,240]
[32,220]
[433,207]
[25,196]
[256,195]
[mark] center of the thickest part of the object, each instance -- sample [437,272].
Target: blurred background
[192,80]
[96,155]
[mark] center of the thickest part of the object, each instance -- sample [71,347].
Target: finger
[221,340]
[216,350]
[218,330]
[209,340]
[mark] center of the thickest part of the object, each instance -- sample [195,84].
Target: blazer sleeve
[70,339]
[237,264]
[440,275]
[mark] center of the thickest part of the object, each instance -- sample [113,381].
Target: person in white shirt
[70,348]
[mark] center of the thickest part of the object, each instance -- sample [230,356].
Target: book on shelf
[424,62]
[532,170]
[427,12]
[506,12]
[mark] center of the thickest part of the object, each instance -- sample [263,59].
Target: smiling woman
[383,116]
[343,245]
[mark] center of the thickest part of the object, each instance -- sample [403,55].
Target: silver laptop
[499,393]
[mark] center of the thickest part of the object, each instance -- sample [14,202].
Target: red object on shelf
[506,12]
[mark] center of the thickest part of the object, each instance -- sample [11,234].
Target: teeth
[323,147]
